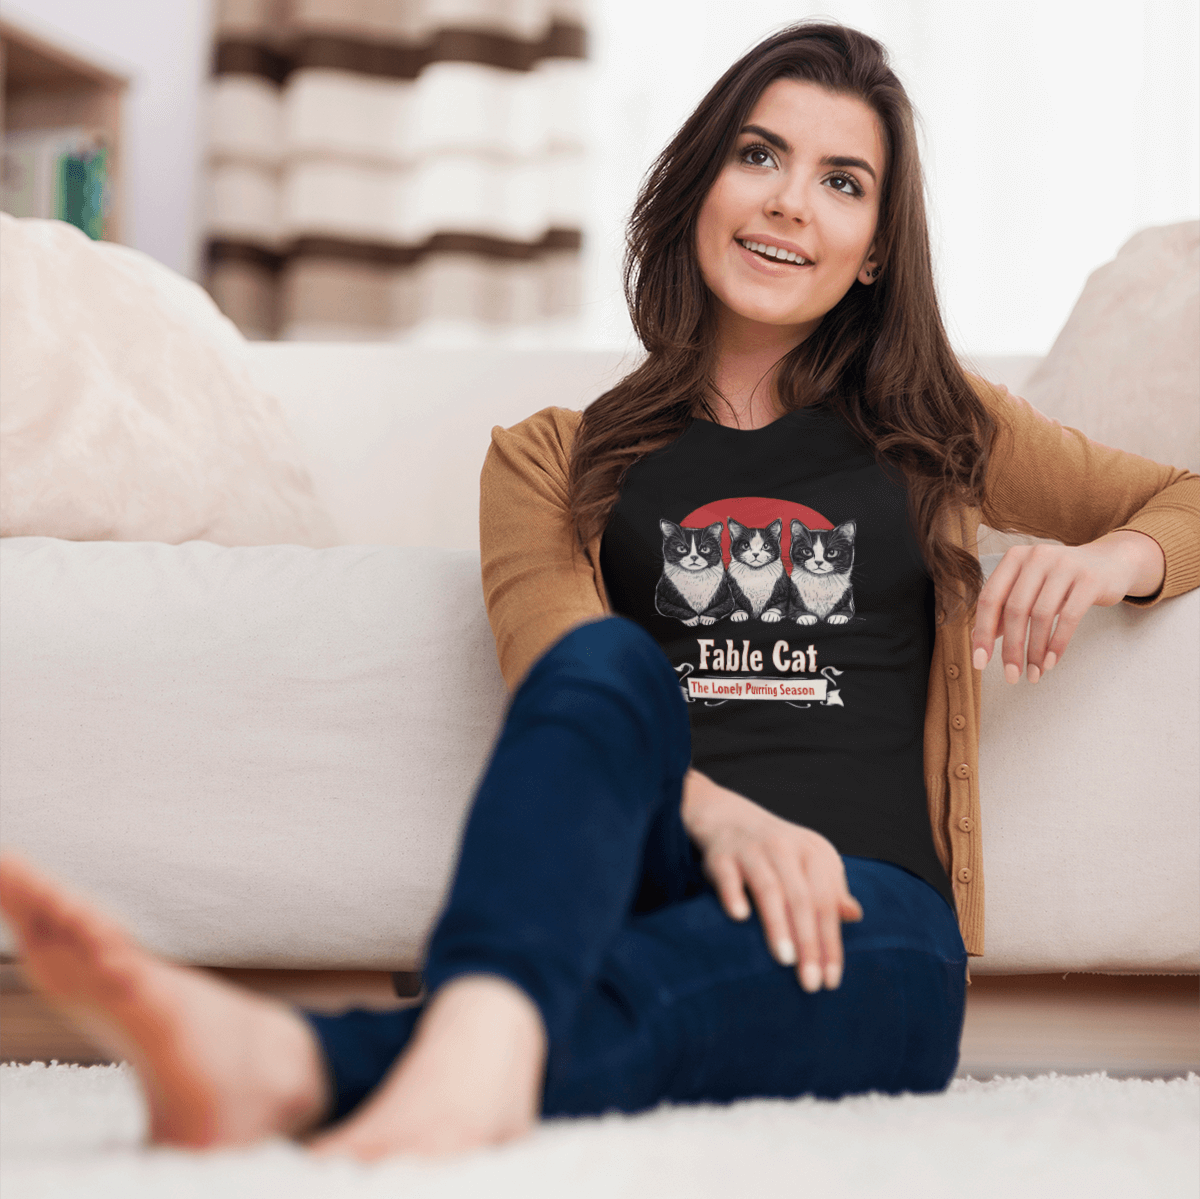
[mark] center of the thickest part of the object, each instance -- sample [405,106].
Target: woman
[782,500]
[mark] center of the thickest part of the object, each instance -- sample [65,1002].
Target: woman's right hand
[795,876]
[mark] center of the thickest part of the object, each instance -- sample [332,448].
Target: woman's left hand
[1035,585]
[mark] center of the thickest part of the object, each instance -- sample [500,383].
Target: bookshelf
[51,92]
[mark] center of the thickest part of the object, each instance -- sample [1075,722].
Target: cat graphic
[757,580]
[693,587]
[821,563]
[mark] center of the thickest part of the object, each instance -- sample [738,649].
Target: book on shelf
[56,173]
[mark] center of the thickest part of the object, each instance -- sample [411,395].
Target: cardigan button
[964,874]
[959,722]
[964,823]
[963,770]
[952,670]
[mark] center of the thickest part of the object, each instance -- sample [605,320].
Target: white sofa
[261,756]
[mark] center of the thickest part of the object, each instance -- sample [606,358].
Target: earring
[874,274]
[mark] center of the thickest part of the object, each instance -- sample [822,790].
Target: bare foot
[219,1066]
[470,1076]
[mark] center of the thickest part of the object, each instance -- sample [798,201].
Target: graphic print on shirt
[757,580]
[693,587]
[738,568]
[821,566]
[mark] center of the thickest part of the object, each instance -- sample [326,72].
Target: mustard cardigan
[1044,479]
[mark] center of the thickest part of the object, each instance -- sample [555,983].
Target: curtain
[379,168]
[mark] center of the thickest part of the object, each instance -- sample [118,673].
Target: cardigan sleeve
[538,582]
[1049,480]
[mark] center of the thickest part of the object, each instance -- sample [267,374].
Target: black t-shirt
[778,569]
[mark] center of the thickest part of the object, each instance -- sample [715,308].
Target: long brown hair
[880,357]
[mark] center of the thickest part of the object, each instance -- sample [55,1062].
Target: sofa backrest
[396,437]
[395,466]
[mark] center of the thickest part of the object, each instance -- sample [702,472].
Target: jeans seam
[874,944]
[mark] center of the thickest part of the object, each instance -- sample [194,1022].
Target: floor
[1132,1025]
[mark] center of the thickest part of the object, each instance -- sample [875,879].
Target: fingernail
[833,976]
[741,911]
[1012,672]
[785,951]
[810,977]
[1034,673]
[1048,663]
[980,659]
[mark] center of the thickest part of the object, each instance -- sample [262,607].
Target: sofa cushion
[128,410]
[258,756]
[263,756]
[1088,785]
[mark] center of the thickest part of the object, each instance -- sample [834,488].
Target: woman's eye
[758,156]
[851,188]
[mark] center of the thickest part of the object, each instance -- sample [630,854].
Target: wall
[164,45]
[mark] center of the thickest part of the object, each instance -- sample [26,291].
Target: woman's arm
[538,583]
[1132,529]
[795,876]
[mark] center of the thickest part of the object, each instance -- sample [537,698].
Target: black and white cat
[757,580]
[693,586]
[821,563]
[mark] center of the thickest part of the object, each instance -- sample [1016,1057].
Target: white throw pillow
[1126,367]
[126,409]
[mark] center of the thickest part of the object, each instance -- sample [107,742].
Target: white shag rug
[69,1131]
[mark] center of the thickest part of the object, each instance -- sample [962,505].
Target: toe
[28,904]
[16,888]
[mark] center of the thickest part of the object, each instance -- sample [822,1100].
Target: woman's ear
[869,272]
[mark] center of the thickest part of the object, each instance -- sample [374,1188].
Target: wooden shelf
[47,87]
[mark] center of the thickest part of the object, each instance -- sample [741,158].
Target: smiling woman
[806,143]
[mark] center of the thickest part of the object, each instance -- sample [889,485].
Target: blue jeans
[578,883]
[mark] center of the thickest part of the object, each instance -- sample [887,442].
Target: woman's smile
[765,255]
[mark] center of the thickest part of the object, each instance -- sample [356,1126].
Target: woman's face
[804,176]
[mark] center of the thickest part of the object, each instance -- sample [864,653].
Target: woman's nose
[790,201]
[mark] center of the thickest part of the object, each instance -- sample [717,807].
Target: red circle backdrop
[756,512]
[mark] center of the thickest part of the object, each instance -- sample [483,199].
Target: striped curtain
[387,169]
